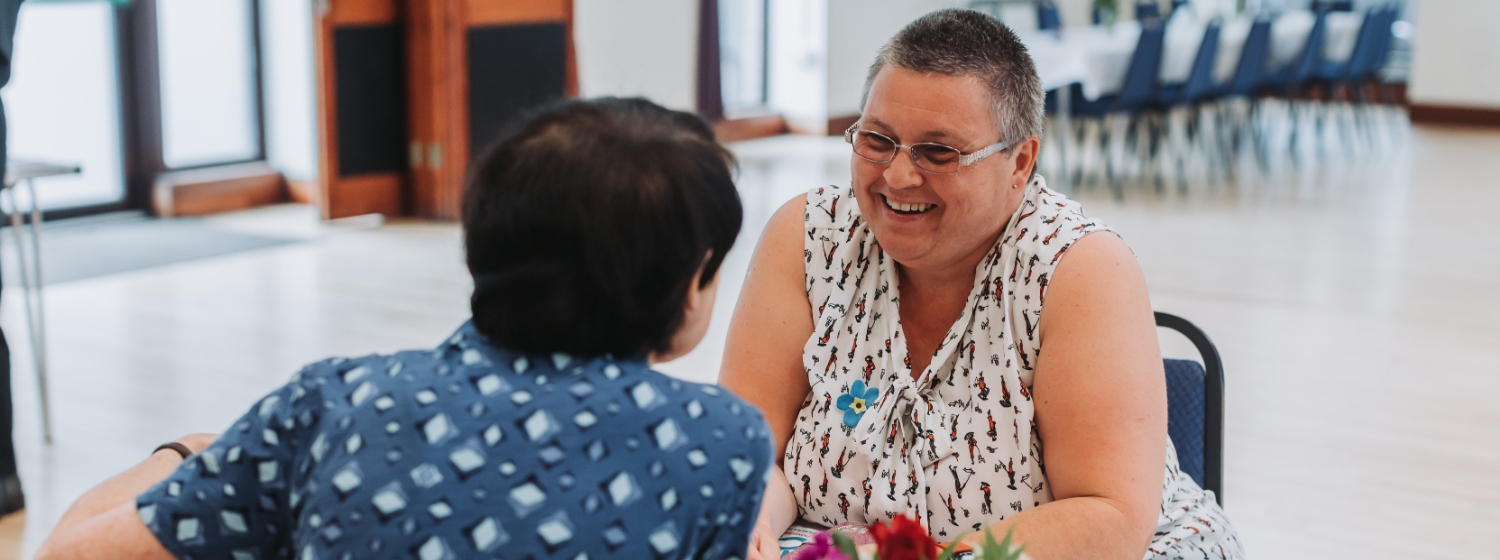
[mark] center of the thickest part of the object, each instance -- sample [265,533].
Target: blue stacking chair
[1140,78]
[1362,59]
[1200,82]
[1291,78]
[1335,5]
[1137,92]
[1251,69]
[1047,16]
[1383,47]
[1249,73]
[1147,10]
[1199,87]
[1195,407]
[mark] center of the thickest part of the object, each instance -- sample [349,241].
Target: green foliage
[845,545]
[1001,550]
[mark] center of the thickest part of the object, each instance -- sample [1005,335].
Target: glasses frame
[964,160]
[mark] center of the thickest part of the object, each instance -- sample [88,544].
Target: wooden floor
[1356,303]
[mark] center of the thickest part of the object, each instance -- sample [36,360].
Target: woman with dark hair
[594,233]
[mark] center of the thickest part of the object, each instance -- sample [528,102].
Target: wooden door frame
[369,193]
[438,90]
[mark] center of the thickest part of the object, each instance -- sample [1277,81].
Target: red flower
[904,539]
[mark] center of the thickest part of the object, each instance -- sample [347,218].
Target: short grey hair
[958,42]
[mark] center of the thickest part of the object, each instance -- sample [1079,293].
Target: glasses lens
[874,147]
[937,158]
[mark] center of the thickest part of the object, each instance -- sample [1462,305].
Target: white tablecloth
[1097,58]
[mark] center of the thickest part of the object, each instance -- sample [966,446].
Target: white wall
[799,62]
[856,30]
[644,48]
[1455,59]
[290,96]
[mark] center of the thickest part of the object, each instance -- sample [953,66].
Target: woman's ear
[1025,156]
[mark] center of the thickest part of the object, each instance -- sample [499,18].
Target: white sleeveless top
[957,446]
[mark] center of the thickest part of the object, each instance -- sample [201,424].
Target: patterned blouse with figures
[956,445]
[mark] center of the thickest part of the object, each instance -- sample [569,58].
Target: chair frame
[1213,399]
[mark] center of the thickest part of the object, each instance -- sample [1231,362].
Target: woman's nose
[902,172]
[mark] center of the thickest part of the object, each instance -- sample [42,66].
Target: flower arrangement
[904,538]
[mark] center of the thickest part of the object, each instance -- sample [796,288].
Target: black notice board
[370,100]
[512,68]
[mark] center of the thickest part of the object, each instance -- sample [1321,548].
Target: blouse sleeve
[237,499]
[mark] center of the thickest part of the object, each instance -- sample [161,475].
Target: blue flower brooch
[856,402]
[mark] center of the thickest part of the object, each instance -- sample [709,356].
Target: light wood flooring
[1356,303]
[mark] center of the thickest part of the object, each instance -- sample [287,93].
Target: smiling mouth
[908,209]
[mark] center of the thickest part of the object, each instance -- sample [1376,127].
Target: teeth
[907,207]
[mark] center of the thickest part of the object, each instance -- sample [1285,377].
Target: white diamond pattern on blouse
[434,549]
[623,489]
[347,479]
[527,497]
[466,459]
[389,499]
[233,521]
[664,539]
[556,530]
[645,395]
[540,425]
[489,384]
[741,467]
[426,475]
[188,528]
[437,429]
[361,393]
[668,436]
[487,535]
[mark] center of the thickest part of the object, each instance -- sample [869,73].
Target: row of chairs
[1049,18]
[1142,112]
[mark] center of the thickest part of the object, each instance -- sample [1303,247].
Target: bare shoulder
[786,227]
[772,320]
[1098,279]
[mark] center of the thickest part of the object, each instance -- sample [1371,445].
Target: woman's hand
[764,542]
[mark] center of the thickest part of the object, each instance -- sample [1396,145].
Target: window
[743,35]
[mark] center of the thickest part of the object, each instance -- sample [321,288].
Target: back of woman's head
[586,223]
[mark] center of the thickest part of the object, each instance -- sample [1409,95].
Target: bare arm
[763,355]
[1101,408]
[103,522]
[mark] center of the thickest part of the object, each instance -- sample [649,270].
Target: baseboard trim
[749,128]
[1450,114]
[223,188]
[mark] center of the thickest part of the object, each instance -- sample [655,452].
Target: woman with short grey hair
[894,333]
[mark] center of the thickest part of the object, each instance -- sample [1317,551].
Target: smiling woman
[920,290]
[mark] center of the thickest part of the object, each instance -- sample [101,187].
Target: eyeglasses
[928,156]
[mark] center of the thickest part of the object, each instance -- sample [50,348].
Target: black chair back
[1195,407]
[1252,66]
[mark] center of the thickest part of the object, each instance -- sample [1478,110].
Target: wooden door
[474,64]
[362,107]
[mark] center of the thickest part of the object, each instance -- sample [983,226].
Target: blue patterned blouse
[472,451]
